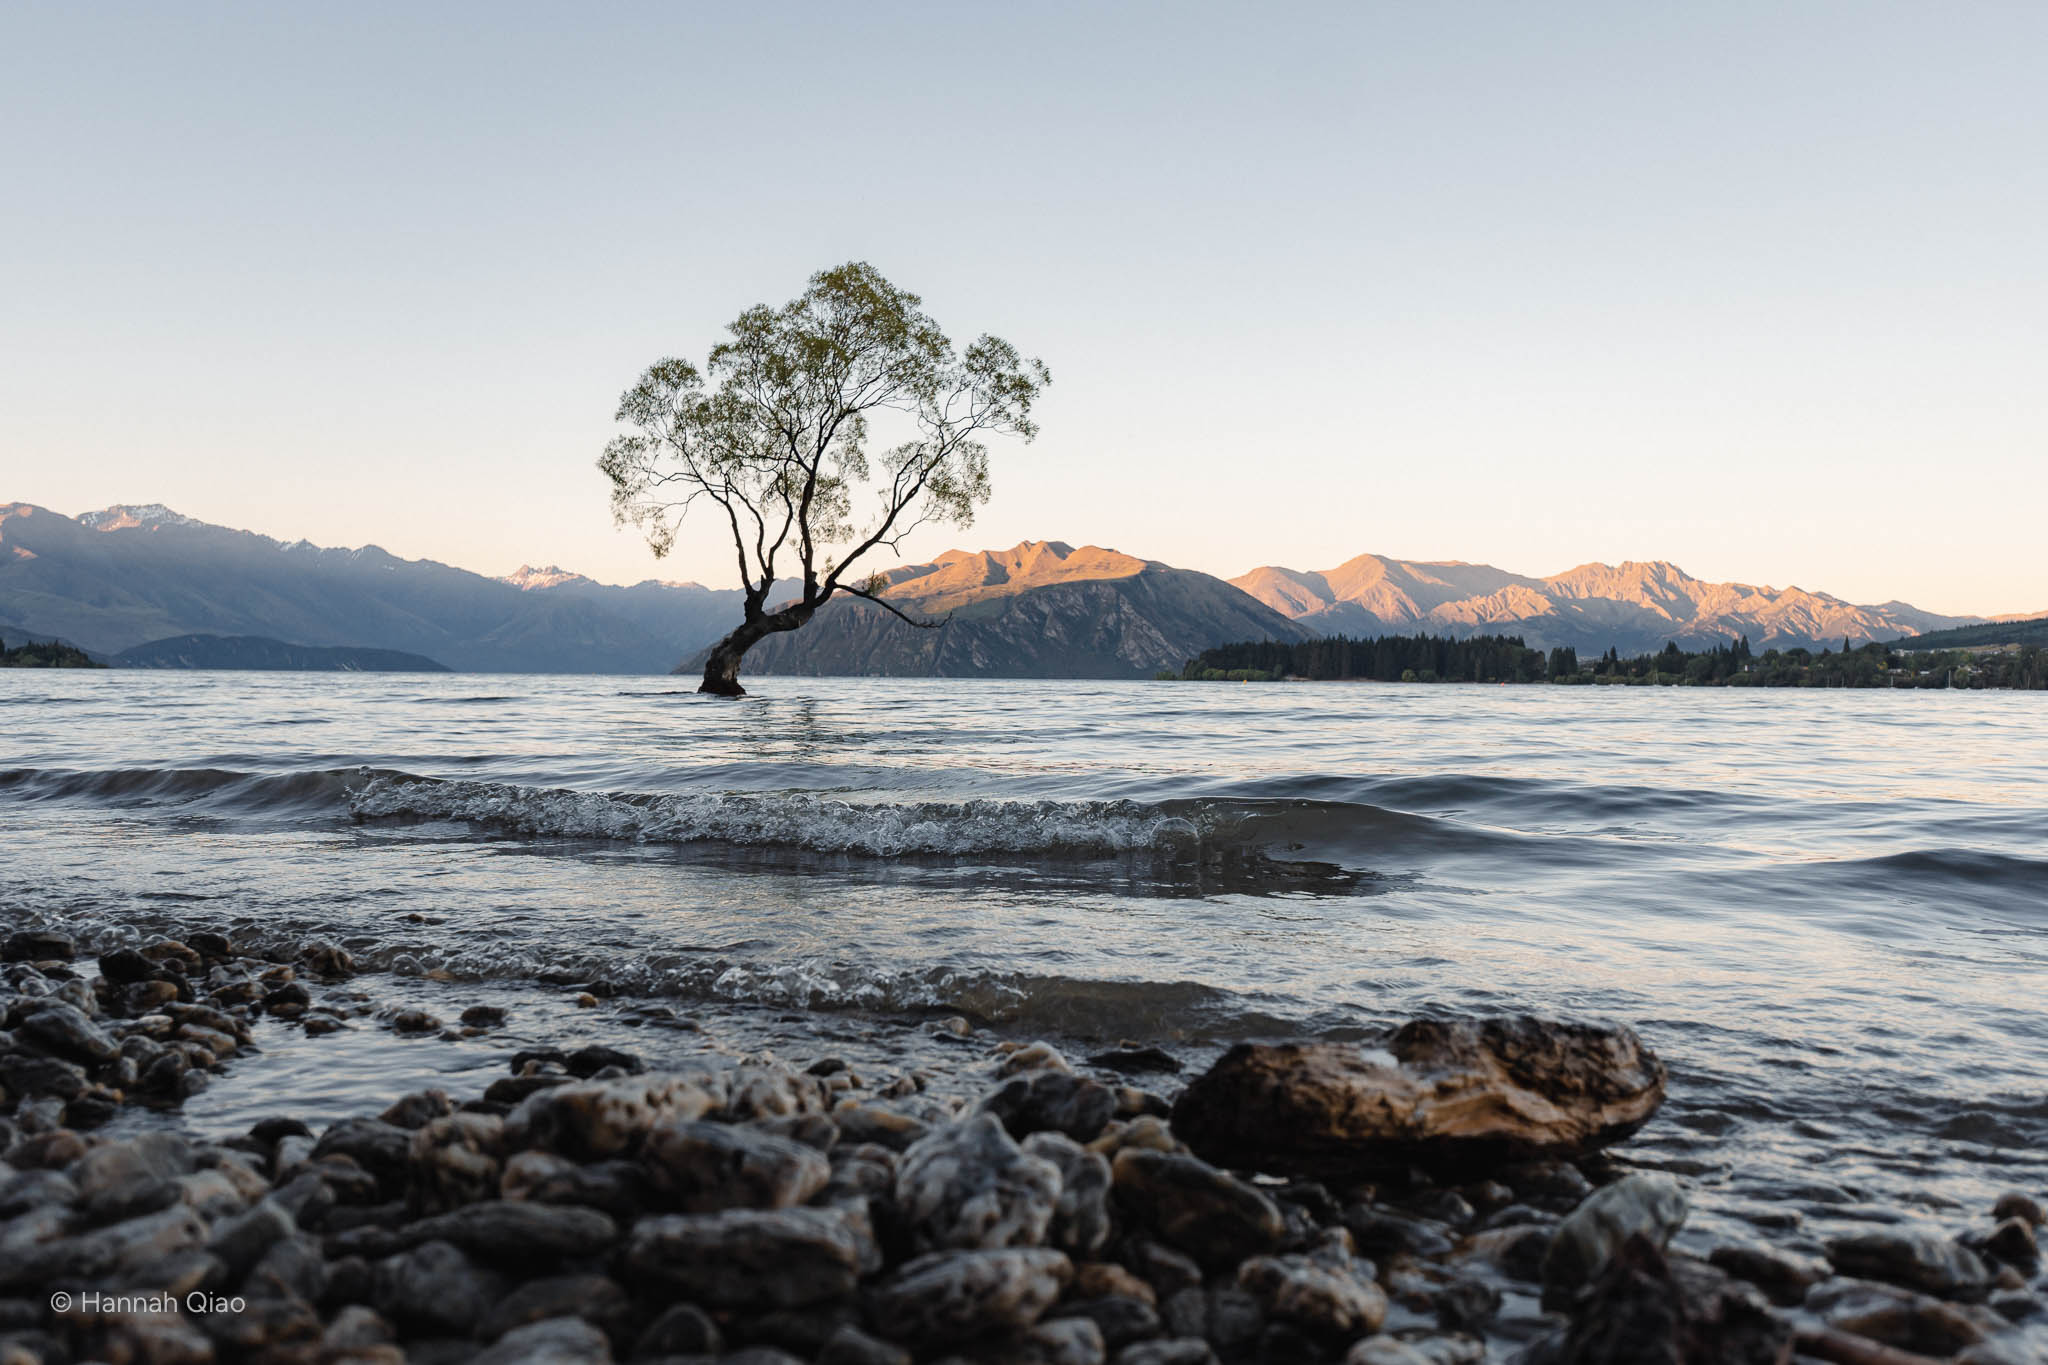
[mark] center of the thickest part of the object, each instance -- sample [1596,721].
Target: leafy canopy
[772,436]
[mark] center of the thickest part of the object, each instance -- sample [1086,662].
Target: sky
[1758,288]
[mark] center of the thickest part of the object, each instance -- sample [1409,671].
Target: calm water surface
[1827,910]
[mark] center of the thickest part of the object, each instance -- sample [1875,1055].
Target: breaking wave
[798,820]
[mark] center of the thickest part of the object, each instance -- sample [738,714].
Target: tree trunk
[722,665]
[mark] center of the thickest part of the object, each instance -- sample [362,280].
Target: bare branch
[870,597]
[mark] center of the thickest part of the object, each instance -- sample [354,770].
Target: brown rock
[1462,1096]
[595,1119]
[1195,1208]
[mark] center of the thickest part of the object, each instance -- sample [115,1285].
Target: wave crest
[795,820]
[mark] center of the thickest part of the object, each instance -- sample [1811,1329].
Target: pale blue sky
[1761,288]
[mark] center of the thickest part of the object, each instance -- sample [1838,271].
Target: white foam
[791,820]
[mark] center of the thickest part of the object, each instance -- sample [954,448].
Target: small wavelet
[310,789]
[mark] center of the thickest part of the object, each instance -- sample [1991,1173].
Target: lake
[1828,911]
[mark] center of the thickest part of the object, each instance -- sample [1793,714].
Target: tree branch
[908,620]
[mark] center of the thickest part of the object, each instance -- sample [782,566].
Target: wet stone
[239,1242]
[1032,1057]
[623,1189]
[1327,1295]
[746,1258]
[683,1329]
[114,1166]
[953,1296]
[597,1299]
[969,1185]
[2013,1242]
[117,1249]
[38,945]
[1195,1208]
[587,1120]
[1918,1259]
[851,1346]
[1387,1350]
[1783,1276]
[1169,1351]
[415,1111]
[293,1267]
[1900,1317]
[124,966]
[1063,1341]
[815,1131]
[384,1150]
[26,1074]
[803,1331]
[1120,1318]
[1517,1252]
[517,1231]
[592,1058]
[1056,1101]
[766,1092]
[1554,1186]
[1653,1310]
[1132,1059]
[1465,1096]
[554,1341]
[1165,1269]
[67,1031]
[456,1159]
[1380,1232]
[1080,1216]
[705,1166]
[414,1022]
[2016,1204]
[260,1323]
[860,1122]
[434,1287]
[1650,1206]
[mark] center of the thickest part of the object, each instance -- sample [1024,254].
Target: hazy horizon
[1750,290]
[1222,573]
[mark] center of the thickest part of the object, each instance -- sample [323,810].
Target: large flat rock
[1458,1096]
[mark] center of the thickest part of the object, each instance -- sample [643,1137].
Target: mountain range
[111,580]
[1041,609]
[1634,607]
[139,575]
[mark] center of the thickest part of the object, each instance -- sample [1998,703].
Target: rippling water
[1827,910]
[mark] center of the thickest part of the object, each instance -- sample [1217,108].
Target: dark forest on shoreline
[1507,659]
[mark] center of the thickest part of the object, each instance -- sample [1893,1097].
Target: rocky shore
[1455,1191]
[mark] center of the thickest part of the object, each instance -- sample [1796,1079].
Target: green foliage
[1388,658]
[772,436]
[2034,632]
[1504,659]
[49,655]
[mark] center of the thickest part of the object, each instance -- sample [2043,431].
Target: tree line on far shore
[1507,659]
[44,654]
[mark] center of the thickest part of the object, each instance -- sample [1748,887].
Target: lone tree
[772,436]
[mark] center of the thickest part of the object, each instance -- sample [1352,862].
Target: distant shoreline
[1500,659]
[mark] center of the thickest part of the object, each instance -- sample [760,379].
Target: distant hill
[111,580]
[2010,631]
[255,652]
[1634,607]
[1041,609]
[688,615]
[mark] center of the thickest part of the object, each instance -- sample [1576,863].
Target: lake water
[1828,911]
